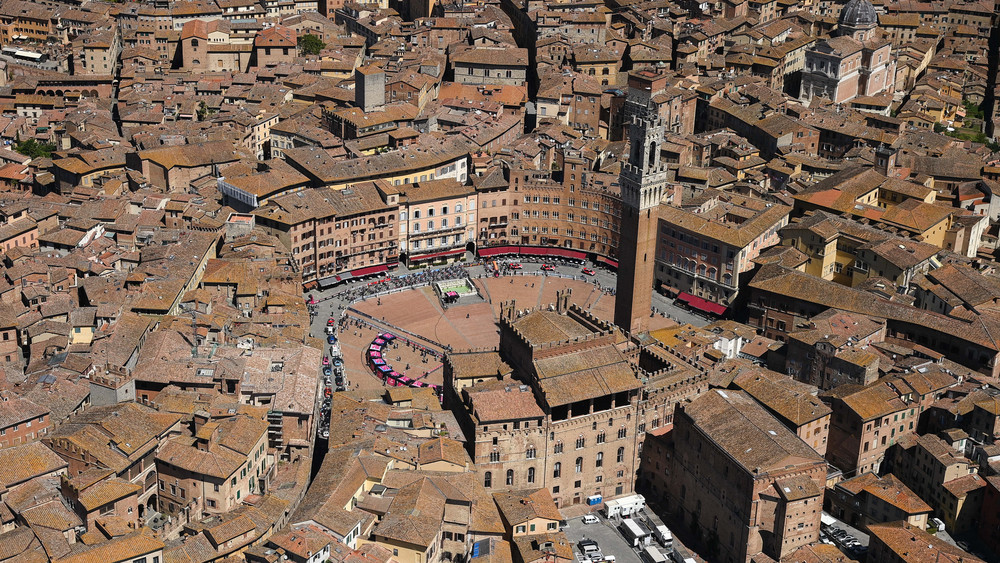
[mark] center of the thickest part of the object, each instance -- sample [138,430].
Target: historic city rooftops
[756,440]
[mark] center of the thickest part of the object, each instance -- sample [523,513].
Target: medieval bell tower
[643,178]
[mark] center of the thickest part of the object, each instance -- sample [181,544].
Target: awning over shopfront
[369,270]
[701,304]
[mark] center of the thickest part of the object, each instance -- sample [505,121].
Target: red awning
[608,261]
[536,250]
[575,254]
[369,270]
[497,250]
[701,304]
[437,255]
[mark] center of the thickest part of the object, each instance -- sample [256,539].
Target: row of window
[551,526]
[434,242]
[556,471]
[27,424]
[531,453]
[430,224]
[430,212]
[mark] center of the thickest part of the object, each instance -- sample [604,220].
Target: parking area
[609,539]
[847,538]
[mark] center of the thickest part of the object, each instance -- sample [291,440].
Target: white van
[590,519]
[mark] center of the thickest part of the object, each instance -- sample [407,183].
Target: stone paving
[463,326]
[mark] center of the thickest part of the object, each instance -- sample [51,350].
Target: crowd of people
[404,281]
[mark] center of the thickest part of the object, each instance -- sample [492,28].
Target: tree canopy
[34,149]
[310,44]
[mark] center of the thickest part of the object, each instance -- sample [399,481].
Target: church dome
[858,14]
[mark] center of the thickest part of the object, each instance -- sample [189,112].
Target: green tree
[34,149]
[309,44]
[972,111]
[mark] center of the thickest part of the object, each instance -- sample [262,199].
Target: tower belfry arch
[643,179]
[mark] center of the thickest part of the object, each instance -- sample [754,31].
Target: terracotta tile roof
[326,169]
[491,56]
[126,548]
[498,552]
[20,544]
[962,486]
[818,553]
[503,402]
[277,36]
[914,545]
[180,452]
[278,178]
[415,515]
[115,434]
[583,374]
[537,547]
[189,156]
[757,217]
[520,506]
[889,489]
[229,529]
[241,433]
[797,488]
[106,492]
[303,541]
[798,285]
[26,462]
[443,449]
[779,395]
[52,515]
[748,433]
[874,401]
[435,190]
[539,327]
[15,410]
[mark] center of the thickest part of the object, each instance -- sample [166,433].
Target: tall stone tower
[643,179]
[369,88]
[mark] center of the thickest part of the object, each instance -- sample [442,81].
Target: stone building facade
[742,480]
[857,62]
[574,416]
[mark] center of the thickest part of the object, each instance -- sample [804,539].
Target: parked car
[589,271]
[515,266]
[331,339]
[331,321]
[326,360]
[548,267]
[327,371]
[590,519]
